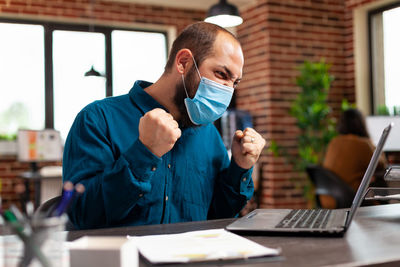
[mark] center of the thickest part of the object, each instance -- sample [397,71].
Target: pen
[67,195]
[20,218]
[10,217]
[18,215]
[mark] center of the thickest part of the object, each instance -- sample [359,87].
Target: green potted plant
[383,110]
[312,113]
[313,118]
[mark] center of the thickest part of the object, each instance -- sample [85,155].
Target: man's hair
[352,122]
[199,38]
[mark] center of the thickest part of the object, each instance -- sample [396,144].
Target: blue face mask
[210,102]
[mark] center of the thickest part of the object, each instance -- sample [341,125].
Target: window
[74,53]
[21,77]
[42,67]
[136,56]
[385,59]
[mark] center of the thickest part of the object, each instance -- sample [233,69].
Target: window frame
[50,27]
[370,16]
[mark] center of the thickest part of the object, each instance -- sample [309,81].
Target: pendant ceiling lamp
[93,72]
[224,15]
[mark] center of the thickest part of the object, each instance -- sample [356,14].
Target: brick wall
[10,169]
[101,11]
[277,36]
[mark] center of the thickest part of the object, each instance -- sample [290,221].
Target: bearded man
[153,155]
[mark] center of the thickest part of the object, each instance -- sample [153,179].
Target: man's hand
[246,147]
[158,131]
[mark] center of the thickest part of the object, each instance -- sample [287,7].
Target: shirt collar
[141,99]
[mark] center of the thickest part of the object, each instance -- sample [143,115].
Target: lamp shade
[93,72]
[224,15]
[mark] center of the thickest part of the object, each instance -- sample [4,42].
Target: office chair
[328,183]
[47,208]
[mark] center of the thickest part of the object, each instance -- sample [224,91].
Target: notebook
[311,221]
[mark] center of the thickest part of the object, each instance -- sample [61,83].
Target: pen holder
[42,240]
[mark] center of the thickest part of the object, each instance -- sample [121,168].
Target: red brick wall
[10,169]
[277,36]
[102,11]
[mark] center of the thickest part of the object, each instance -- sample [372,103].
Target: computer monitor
[39,146]
[375,125]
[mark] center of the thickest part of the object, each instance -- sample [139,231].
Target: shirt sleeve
[113,184]
[233,188]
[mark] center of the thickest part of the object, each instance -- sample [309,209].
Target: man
[153,156]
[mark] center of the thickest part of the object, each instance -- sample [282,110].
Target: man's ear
[183,60]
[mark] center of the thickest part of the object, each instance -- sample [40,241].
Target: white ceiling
[190,4]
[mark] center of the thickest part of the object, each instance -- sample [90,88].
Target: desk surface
[372,239]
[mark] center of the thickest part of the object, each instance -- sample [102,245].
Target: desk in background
[46,187]
[372,239]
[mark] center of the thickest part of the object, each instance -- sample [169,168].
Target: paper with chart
[207,245]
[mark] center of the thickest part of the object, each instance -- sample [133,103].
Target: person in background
[153,155]
[349,153]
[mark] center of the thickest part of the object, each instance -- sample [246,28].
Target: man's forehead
[224,40]
[227,53]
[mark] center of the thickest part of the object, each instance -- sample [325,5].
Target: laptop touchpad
[262,218]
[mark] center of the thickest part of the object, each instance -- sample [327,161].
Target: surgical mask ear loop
[183,79]
[184,86]
[198,72]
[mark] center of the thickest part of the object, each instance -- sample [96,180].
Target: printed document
[207,245]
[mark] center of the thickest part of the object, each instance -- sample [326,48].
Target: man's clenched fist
[158,131]
[247,146]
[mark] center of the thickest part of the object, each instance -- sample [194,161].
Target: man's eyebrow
[230,73]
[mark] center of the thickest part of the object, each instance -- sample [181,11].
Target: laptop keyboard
[316,218]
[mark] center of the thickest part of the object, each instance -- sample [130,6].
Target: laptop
[310,221]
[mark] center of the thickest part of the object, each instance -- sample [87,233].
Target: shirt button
[169,166]
[166,198]
[153,168]
[244,179]
[140,195]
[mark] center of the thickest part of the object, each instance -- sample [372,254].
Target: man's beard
[180,95]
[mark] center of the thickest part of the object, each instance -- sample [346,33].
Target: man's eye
[221,74]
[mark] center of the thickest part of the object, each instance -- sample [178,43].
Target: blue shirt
[126,184]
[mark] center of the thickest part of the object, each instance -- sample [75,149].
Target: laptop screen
[368,174]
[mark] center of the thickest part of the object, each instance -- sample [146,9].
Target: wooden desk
[372,239]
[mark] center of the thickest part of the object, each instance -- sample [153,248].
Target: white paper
[204,245]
